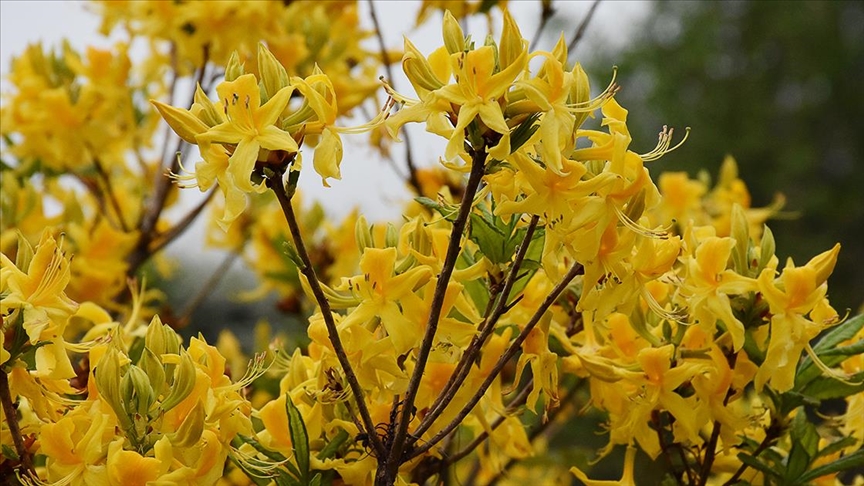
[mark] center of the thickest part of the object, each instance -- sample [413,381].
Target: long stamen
[663,142]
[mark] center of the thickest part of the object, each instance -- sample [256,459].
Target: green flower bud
[234,69]
[204,109]
[152,366]
[189,432]
[363,234]
[273,74]
[741,233]
[136,393]
[454,39]
[107,374]
[512,43]
[184,382]
[391,237]
[418,70]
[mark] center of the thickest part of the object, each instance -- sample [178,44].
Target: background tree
[778,86]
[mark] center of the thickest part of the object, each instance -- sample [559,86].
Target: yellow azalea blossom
[709,285]
[380,290]
[40,296]
[75,446]
[797,292]
[250,127]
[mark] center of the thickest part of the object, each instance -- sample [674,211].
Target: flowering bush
[539,273]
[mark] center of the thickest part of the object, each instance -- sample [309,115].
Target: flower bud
[363,234]
[189,432]
[512,44]
[107,373]
[183,122]
[824,263]
[135,391]
[454,39]
[204,109]
[418,70]
[152,366]
[234,68]
[391,236]
[273,74]
[184,382]
[741,233]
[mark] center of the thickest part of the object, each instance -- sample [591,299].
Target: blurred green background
[776,84]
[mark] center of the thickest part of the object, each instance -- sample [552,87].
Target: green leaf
[856,459]
[805,443]
[333,446]
[828,387]
[523,132]
[448,211]
[8,452]
[489,238]
[836,446]
[757,465]
[807,371]
[299,439]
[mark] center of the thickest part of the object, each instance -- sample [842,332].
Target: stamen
[663,142]
[639,229]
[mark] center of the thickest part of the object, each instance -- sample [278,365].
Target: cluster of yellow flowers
[557,272]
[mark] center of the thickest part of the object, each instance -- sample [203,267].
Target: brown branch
[576,269]
[150,217]
[583,26]
[385,59]
[11,414]
[540,429]
[277,185]
[546,13]
[206,289]
[163,239]
[387,474]
[112,197]
[486,328]
[517,402]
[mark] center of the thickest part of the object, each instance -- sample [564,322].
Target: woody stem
[276,184]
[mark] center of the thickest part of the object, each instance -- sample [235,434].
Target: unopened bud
[204,109]
[363,234]
[824,263]
[152,366]
[272,72]
[136,392]
[454,39]
[107,373]
[234,68]
[741,233]
[418,70]
[184,382]
[189,432]
[512,44]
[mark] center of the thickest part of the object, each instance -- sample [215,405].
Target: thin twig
[112,197]
[576,269]
[517,402]
[385,59]
[543,427]
[454,247]
[206,289]
[171,234]
[12,419]
[463,368]
[276,184]
[546,13]
[583,26]
[151,215]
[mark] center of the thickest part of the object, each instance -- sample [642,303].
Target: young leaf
[856,459]
[299,439]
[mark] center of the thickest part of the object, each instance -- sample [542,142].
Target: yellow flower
[250,127]
[380,290]
[798,291]
[709,285]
